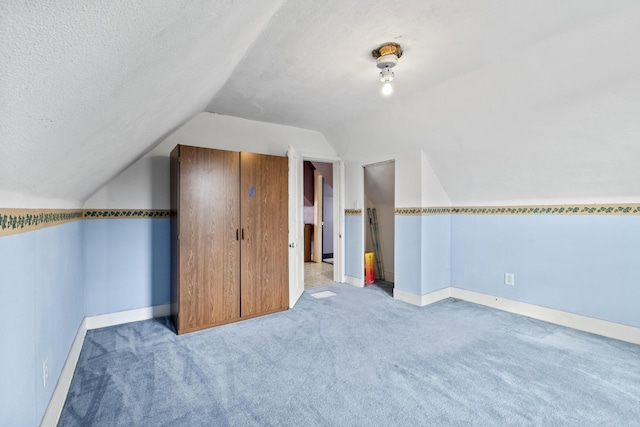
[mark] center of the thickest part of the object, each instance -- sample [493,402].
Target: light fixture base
[387,61]
[387,49]
[386,58]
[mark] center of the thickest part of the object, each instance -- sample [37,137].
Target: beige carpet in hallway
[317,274]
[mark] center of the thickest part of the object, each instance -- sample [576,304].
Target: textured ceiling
[510,100]
[88,87]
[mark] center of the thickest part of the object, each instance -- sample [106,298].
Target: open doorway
[318,224]
[379,235]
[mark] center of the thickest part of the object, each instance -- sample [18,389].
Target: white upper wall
[408,182]
[145,184]
[11,199]
[433,193]
[415,184]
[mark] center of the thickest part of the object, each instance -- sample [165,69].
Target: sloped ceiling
[509,100]
[379,183]
[88,87]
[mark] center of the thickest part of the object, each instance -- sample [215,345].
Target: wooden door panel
[264,220]
[209,264]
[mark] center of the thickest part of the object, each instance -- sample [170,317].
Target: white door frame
[338,209]
[296,232]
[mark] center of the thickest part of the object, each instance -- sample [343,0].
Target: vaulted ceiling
[510,100]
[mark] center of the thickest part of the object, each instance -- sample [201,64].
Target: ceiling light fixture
[386,58]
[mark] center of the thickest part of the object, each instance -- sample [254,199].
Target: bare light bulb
[387,89]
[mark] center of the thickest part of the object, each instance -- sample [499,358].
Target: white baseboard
[54,409]
[355,281]
[421,300]
[563,318]
[582,323]
[120,317]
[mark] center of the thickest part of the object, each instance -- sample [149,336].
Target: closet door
[209,245]
[264,219]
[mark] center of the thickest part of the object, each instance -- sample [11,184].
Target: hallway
[317,274]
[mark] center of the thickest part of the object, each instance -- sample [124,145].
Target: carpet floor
[359,358]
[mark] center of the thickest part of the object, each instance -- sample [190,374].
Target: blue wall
[436,252]
[127,264]
[43,307]
[53,277]
[354,250]
[422,253]
[408,254]
[583,264]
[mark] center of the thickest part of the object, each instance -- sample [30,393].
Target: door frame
[338,208]
[365,217]
[318,220]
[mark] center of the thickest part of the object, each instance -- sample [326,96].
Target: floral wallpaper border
[126,213]
[604,209]
[14,221]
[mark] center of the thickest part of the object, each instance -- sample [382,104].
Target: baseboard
[54,409]
[355,281]
[575,321]
[583,323]
[111,319]
[421,300]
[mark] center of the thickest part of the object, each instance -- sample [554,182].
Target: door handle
[292,245]
[243,234]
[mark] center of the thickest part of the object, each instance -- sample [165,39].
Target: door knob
[292,245]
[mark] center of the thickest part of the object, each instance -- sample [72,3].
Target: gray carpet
[359,358]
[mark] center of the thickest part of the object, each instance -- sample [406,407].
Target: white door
[296,227]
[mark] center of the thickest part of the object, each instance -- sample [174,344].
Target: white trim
[319,157]
[575,321]
[54,409]
[338,221]
[339,185]
[354,281]
[295,206]
[583,323]
[111,319]
[421,300]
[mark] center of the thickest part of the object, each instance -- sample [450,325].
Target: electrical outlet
[45,372]
[509,279]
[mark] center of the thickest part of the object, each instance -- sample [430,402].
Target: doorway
[379,215]
[318,224]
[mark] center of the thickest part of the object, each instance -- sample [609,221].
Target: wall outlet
[45,372]
[509,279]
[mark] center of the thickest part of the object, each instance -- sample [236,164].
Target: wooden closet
[229,237]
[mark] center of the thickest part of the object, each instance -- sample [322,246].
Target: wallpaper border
[353,212]
[574,209]
[126,213]
[15,221]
